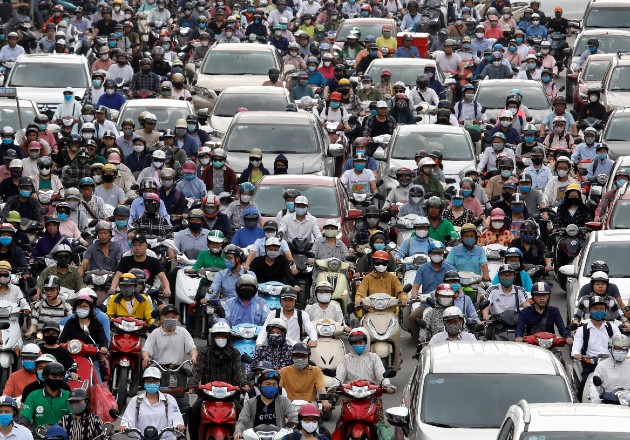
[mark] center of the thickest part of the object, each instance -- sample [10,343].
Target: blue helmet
[513,252]
[370,39]
[468,87]
[541,288]
[9,401]
[246,186]
[436,245]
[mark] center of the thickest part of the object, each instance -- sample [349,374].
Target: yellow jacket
[116,308]
[375,282]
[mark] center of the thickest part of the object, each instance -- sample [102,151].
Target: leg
[194,419]
[586,371]
[396,341]
[415,330]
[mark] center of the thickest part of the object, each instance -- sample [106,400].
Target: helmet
[357,335]
[54,368]
[276,323]
[148,183]
[434,201]
[468,227]
[245,186]
[269,374]
[127,279]
[529,226]
[620,341]
[232,249]
[437,246]
[51,325]
[380,255]
[599,266]
[594,300]
[31,350]
[167,173]
[497,214]
[541,288]
[52,281]
[308,410]
[301,348]
[246,280]
[103,226]
[221,327]
[444,290]
[403,172]
[452,275]
[573,187]
[10,401]
[421,221]
[452,312]
[78,394]
[152,372]
[324,285]
[46,357]
[592,42]
[262,365]
[599,276]
[563,159]
[514,252]
[506,268]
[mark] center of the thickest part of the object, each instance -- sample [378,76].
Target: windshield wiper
[441,425]
[225,116]
[621,89]
[617,140]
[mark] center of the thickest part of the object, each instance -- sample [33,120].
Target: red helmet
[497,214]
[335,96]
[380,255]
[57,8]
[308,410]
[211,205]
[402,96]
[445,289]
[366,7]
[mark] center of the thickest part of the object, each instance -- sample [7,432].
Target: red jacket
[229,177]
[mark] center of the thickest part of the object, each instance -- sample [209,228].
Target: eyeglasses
[380,263]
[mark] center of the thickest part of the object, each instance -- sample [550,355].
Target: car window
[453,146]
[228,103]
[494,97]
[322,200]
[573,435]
[618,129]
[9,116]
[406,74]
[615,254]
[166,117]
[595,70]
[224,62]
[621,215]
[620,79]
[607,43]
[481,400]
[600,17]
[272,138]
[52,75]
[366,28]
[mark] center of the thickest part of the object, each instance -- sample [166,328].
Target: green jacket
[445,229]
[206,260]
[41,408]
[434,186]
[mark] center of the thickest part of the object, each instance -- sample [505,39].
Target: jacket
[218,364]
[376,282]
[229,178]
[284,410]
[246,236]
[246,172]
[366,366]
[141,309]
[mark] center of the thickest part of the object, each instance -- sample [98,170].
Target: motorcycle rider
[400,194]
[129,302]
[541,317]
[592,48]
[622,177]
[591,338]
[246,306]
[419,241]
[612,290]
[297,321]
[300,224]
[81,423]
[21,378]
[554,120]
[273,265]
[53,397]
[278,350]
[9,410]
[599,287]
[151,222]
[235,210]
[612,371]
[593,108]
[554,192]
[453,322]
[376,242]
[324,308]
[219,361]
[439,228]
[302,381]
[572,210]
[219,177]
[498,230]
[587,150]
[505,295]
[444,298]
[224,283]
[533,249]
[602,164]
[103,253]
[152,407]
[468,109]
[427,178]
[359,180]
[514,257]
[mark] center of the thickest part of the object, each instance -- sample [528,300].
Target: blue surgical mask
[5,241]
[456,286]
[42,127]
[152,388]
[334,104]
[599,315]
[374,53]
[457,202]
[25,193]
[122,223]
[119,34]
[518,209]
[203,25]
[545,78]
[469,241]
[359,166]
[621,182]
[379,246]
[97,82]
[506,283]
[359,349]
[6,419]
[28,365]
[467,192]
[62,217]
[111,43]
[531,66]
[530,139]
[525,188]
[373,111]
[68,98]
[512,49]
[269,391]
[7,141]
[592,49]
[229,264]
[191,127]
[189,176]
[312,68]
[602,156]
[166,46]
[300,211]
[518,40]
[290,206]
[466,46]
[217,164]
[506,173]
[360,151]
[40,376]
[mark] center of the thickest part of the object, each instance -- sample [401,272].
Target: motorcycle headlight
[545,343]
[219,392]
[99,279]
[359,197]
[74,346]
[274,290]
[494,254]
[247,332]
[572,230]
[128,326]
[326,330]
[5,312]
[380,304]
[624,397]
[334,264]
[361,392]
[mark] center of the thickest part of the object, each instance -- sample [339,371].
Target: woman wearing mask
[44,179]
[67,227]
[497,232]
[377,243]
[369,226]
[456,212]
[140,159]
[324,308]
[553,195]
[329,246]
[572,210]
[559,137]
[111,194]
[255,170]
[203,159]
[415,204]
[467,185]
[401,111]
[81,424]
[191,185]
[418,242]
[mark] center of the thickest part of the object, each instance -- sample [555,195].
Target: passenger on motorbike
[444,298]
[587,150]
[129,302]
[532,248]
[324,308]
[224,283]
[300,224]
[541,317]
[498,231]
[514,257]
[376,242]
[50,334]
[549,122]
[359,180]
[273,265]
[19,379]
[419,241]
[602,164]
[53,397]
[278,349]
[612,290]
[599,286]
[301,380]
[453,323]
[246,307]
[461,300]
[456,213]
[219,361]
[612,371]
[400,194]
[572,210]
[593,108]
[415,203]
[329,245]
[82,423]
[505,295]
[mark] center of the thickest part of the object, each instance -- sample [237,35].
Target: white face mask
[245,198]
[619,355]
[445,302]
[221,342]
[309,427]
[479,35]
[437,258]
[270,234]
[138,148]
[422,233]
[45,172]
[380,268]
[505,124]
[562,173]
[497,225]
[416,200]
[255,163]
[204,160]
[324,298]
[366,86]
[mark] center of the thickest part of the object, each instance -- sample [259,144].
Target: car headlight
[572,230]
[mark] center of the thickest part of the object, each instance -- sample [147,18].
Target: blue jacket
[189,147]
[138,163]
[282,44]
[114,101]
[512,136]
[194,187]
[438,87]
[529,317]
[246,172]
[246,236]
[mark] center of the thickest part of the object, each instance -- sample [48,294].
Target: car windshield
[494,97]
[573,435]
[621,215]
[48,75]
[272,139]
[608,18]
[366,28]
[406,74]
[322,200]
[241,62]
[618,129]
[228,103]
[9,116]
[612,253]
[481,400]
[607,43]
[453,146]
[166,116]
[620,79]
[595,70]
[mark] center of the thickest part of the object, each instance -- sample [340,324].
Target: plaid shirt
[234,212]
[139,81]
[222,364]
[369,125]
[353,105]
[71,174]
[96,205]
[581,312]
[153,225]
[278,356]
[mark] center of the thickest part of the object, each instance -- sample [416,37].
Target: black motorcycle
[567,244]
[301,250]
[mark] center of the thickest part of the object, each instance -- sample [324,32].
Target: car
[454,142]
[618,215]
[573,421]
[616,84]
[367,26]
[610,41]
[622,162]
[43,77]
[404,69]
[16,113]
[616,133]
[254,98]
[572,10]
[609,246]
[167,111]
[327,198]
[591,75]
[463,389]
[607,14]
[297,135]
[492,93]
[233,64]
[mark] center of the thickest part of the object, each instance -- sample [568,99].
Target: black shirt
[278,271]
[555,25]
[534,255]
[37,385]
[104,29]
[379,128]
[265,414]
[62,355]
[73,330]
[150,265]
[8,188]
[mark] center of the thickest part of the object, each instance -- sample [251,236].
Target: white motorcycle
[330,349]
[410,266]
[382,325]
[11,337]
[495,253]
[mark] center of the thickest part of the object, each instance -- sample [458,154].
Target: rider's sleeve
[174,414]
[520,326]
[578,340]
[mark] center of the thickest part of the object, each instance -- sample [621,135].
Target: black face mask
[343,90]
[537,160]
[443,121]
[151,208]
[108,178]
[573,201]
[50,339]
[277,171]
[63,262]
[145,71]
[338,76]
[195,227]
[422,84]
[506,196]
[246,294]
[54,384]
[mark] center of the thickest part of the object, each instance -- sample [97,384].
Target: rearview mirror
[407,287]
[597,381]
[595,226]
[4,325]
[350,308]
[246,359]
[379,154]
[335,150]
[113,413]
[568,270]
[398,416]
[421,323]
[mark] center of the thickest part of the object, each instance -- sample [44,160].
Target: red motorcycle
[548,341]
[125,359]
[218,412]
[83,366]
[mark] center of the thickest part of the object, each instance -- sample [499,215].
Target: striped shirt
[42,311]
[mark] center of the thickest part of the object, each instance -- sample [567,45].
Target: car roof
[53,58]
[621,59]
[491,357]
[9,102]
[430,128]
[260,90]
[598,32]
[156,102]
[611,235]
[355,21]
[287,118]
[243,47]
[402,62]
[303,179]
[578,417]
[508,84]
[600,57]
[621,113]
[598,3]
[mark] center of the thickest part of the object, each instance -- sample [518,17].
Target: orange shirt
[301,385]
[18,381]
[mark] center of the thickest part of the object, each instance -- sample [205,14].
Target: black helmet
[262,366]
[235,250]
[54,368]
[416,191]
[529,226]
[122,211]
[434,201]
[592,42]
[51,325]
[560,99]
[78,394]
[451,275]
[291,194]
[372,210]
[301,348]
[599,265]
[507,162]
[444,103]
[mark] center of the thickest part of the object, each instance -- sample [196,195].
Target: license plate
[172,381]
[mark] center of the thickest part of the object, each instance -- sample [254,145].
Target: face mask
[519,40]
[497,225]
[220,342]
[479,35]
[506,283]
[562,173]
[82,313]
[16,175]
[25,193]
[457,202]
[359,349]
[621,182]
[366,86]
[359,166]
[531,66]
[138,148]
[5,241]
[330,233]
[488,58]
[422,233]
[436,258]
[255,163]
[453,328]
[518,209]
[170,324]
[121,223]
[416,200]
[68,98]
[379,246]
[589,140]
[334,104]
[28,365]
[290,206]
[6,419]
[310,68]
[189,176]
[273,254]
[300,211]
[373,112]
[300,364]
[152,388]
[50,340]
[324,298]
[599,315]
[229,264]
[618,356]
[40,375]
[269,392]
[506,124]
[54,384]
[512,49]
[593,98]
[466,46]
[445,302]
[506,173]
[456,286]
[469,97]
[78,408]
[529,139]
[276,340]
[245,198]
[497,146]
[535,22]
[467,192]
[537,160]
[380,269]
[73,205]
[573,201]
[310,427]
[558,130]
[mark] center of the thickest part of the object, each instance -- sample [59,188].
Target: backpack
[460,105]
[586,334]
[139,398]
[300,319]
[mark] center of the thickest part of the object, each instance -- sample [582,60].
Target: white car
[43,77]
[167,111]
[461,390]
[610,246]
[551,421]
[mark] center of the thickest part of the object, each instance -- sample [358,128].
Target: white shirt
[293,327]
[333,115]
[613,374]
[443,336]
[292,227]
[18,432]
[358,183]
[153,415]
[417,96]
[597,340]
[500,302]
[115,71]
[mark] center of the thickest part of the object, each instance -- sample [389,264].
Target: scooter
[270,292]
[266,432]
[187,285]
[218,411]
[619,396]
[11,337]
[101,281]
[335,272]
[568,242]
[174,378]
[301,250]
[330,349]
[495,255]
[245,338]
[405,227]
[381,324]
[125,359]
[409,266]
[578,367]
[83,366]
[502,327]
[549,341]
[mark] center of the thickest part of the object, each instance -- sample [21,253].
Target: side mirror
[135,187]
[78,98]
[389,374]
[351,258]
[407,287]
[379,154]
[529,119]
[572,76]
[349,308]
[398,416]
[113,413]
[155,314]
[335,150]
[448,82]
[421,323]
[354,214]
[329,372]
[548,254]
[597,381]
[484,304]
[568,270]
[595,226]
[4,325]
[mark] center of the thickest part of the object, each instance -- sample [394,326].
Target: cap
[189,166]
[381,104]
[168,309]
[139,237]
[301,200]
[256,152]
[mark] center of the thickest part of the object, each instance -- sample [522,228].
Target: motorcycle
[301,250]
[549,341]
[28,40]
[336,135]
[125,359]
[618,396]
[266,432]
[11,337]
[218,411]
[558,45]
[382,325]
[100,280]
[83,366]
[568,242]
[174,378]
[502,327]
[596,190]
[335,272]
[245,338]
[409,266]
[578,366]
[270,292]
[494,253]
[330,348]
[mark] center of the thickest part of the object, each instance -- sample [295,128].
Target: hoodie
[366,366]
[280,158]
[410,207]
[246,236]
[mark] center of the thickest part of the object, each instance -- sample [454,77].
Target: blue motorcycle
[270,292]
[245,338]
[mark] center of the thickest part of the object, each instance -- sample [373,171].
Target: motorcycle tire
[326,415]
[121,387]
[303,295]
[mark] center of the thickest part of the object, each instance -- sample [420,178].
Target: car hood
[298,163]
[618,148]
[538,115]
[220,123]
[436,433]
[617,99]
[220,82]
[45,95]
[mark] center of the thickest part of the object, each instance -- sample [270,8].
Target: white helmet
[221,327]
[276,322]
[87,291]
[506,114]
[272,241]
[152,372]
[452,312]
[426,161]
[31,350]
[159,154]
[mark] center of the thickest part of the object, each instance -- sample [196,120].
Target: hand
[326,404]
[577,357]
[390,390]
[166,293]
[180,428]
[74,376]
[193,360]
[103,350]
[238,435]
[596,218]
[294,270]
[297,288]
[403,303]
[312,343]
[28,335]
[26,311]
[548,268]
[145,363]
[545,216]
[518,339]
[204,301]
[122,428]
[569,341]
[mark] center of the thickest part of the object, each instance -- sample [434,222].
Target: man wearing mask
[427,179]
[468,257]
[559,23]
[18,380]
[423,93]
[106,25]
[151,222]
[593,108]
[159,14]
[28,207]
[349,101]
[69,107]
[194,131]
[224,284]
[300,223]
[559,109]
[587,150]
[145,80]
[54,397]
[302,381]
[613,371]
[468,109]
[183,140]
[103,253]
[122,68]
[129,302]
[219,177]
[411,18]
[111,99]
[153,171]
